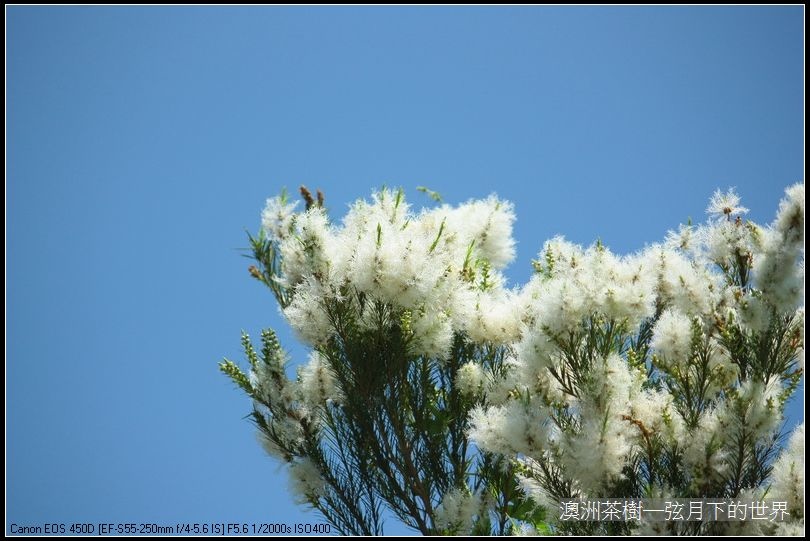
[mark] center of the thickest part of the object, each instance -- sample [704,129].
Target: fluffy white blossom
[511,428]
[777,275]
[682,283]
[559,307]
[597,452]
[579,283]
[548,388]
[524,530]
[788,474]
[725,204]
[487,224]
[684,239]
[628,289]
[270,447]
[724,242]
[470,378]
[432,332]
[702,450]
[307,313]
[441,265]
[268,380]
[653,413]
[496,317]
[756,408]
[318,383]
[287,428]
[500,389]
[790,218]
[672,337]
[530,485]
[306,253]
[278,217]
[306,481]
[458,510]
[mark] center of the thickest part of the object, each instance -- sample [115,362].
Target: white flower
[682,283]
[278,217]
[432,333]
[702,449]
[287,428]
[654,412]
[531,486]
[496,318]
[757,406]
[535,349]
[790,218]
[470,378]
[318,383]
[627,290]
[306,254]
[270,447]
[307,313]
[684,239]
[754,312]
[724,241]
[524,530]
[597,452]
[499,389]
[487,224]
[672,337]
[722,371]
[788,473]
[538,381]
[560,306]
[305,480]
[777,274]
[511,428]
[724,205]
[458,510]
[578,283]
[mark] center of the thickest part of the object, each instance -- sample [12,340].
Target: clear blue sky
[142,142]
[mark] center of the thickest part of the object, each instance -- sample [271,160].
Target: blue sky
[142,142]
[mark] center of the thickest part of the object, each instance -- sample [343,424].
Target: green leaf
[430,193]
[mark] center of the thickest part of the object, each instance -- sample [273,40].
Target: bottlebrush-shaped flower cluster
[439,268]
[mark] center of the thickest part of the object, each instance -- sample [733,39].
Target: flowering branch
[435,393]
